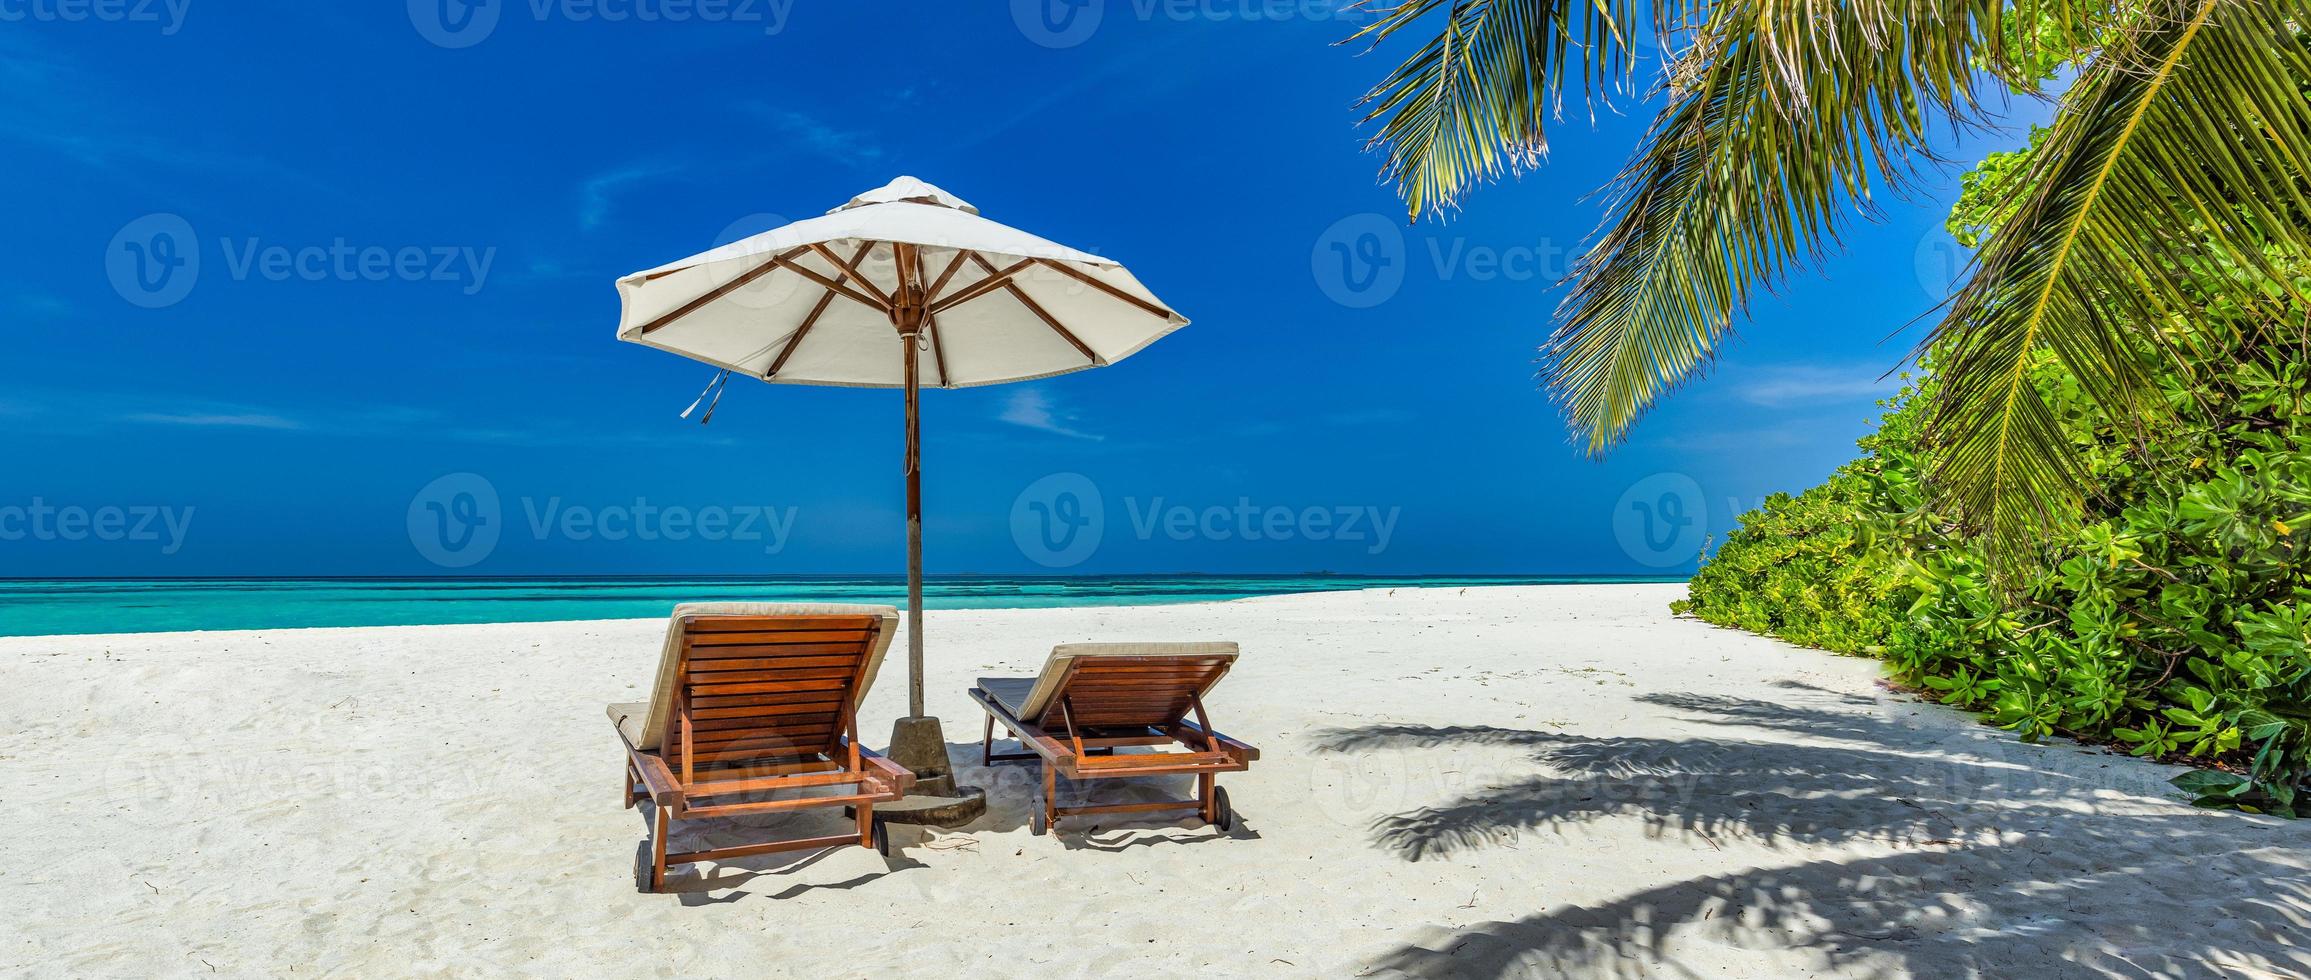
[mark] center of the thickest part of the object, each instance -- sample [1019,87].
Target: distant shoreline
[97,607]
[1548,577]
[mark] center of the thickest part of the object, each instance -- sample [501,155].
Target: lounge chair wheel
[1224,814]
[882,837]
[1036,824]
[642,868]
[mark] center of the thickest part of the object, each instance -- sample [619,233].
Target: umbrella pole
[914,529]
[917,741]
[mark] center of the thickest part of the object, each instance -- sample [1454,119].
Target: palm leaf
[2177,158]
[1473,102]
[1782,114]
[1780,123]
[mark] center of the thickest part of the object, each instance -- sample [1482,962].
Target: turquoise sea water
[50,607]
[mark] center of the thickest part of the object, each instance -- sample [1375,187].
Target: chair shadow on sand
[1011,794]
[1013,789]
[762,875]
[2013,872]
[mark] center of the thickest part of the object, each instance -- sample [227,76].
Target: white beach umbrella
[904,286]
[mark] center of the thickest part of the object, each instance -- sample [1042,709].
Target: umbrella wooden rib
[719,291]
[995,280]
[811,320]
[1040,313]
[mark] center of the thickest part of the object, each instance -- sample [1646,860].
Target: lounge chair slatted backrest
[722,641]
[1093,699]
[770,685]
[1133,692]
[1117,685]
[754,699]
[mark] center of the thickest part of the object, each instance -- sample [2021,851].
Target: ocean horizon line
[66,606]
[851,576]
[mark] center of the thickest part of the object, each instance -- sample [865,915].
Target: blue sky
[405,254]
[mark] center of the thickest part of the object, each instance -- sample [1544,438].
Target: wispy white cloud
[1100,80]
[1825,429]
[39,304]
[598,194]
[1798,384]
[204,420]
[39,411]
[1032,409]
[1354,418]
[1370,416]
[53,96]
[689,436]
[1262,429]
[807,132]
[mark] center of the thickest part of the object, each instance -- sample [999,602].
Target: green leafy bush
[2174,621]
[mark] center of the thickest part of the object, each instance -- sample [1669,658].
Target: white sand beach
[1490,782]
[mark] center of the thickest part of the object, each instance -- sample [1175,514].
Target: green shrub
[2173,621]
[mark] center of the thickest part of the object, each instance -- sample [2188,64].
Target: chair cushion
[1029,701]
[661,703]
[1010,692]
[628,717]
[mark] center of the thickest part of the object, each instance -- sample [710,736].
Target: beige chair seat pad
[650,721]
[629,717]
[1010,692]
[1027,698]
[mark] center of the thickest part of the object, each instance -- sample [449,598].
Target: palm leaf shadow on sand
[2013,872]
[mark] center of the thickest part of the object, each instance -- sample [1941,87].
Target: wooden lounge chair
[1094,698]
[752,700]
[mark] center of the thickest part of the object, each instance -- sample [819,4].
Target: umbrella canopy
[810,303]
[903,286]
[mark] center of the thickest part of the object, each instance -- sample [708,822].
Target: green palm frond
[1474,101]
[1781,120]
[2177,159]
